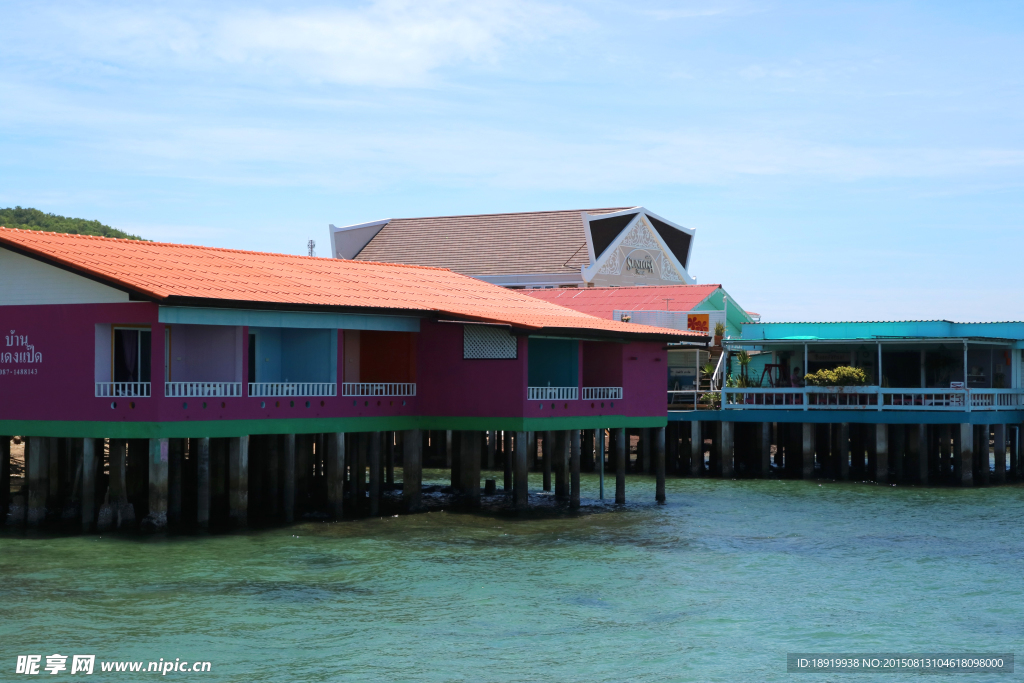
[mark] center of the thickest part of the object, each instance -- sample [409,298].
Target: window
[487,341]
[131,359]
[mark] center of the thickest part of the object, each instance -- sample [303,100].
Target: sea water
[716,585]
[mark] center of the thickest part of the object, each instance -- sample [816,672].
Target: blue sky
[838,160]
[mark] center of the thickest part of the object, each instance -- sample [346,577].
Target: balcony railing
[602,393]
[378,389]
[871,398]
[552,393]
[126,389]
[293,389]
[190,389]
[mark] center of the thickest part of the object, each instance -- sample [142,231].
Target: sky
[839,161]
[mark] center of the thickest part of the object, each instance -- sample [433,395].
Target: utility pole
[312,247]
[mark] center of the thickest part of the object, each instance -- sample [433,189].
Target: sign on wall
[18,357]
[698,322]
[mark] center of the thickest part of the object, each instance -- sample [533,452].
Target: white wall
[25,281]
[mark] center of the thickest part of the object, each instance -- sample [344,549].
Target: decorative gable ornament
[638,254]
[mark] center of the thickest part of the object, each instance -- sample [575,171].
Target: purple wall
[54,380]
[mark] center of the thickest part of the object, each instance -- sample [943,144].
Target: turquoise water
[717,585]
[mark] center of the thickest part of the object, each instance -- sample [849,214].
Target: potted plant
[719,333]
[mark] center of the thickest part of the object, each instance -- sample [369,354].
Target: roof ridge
[221,249]
[514,213]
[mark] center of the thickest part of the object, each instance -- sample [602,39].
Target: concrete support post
[202,481]
[374,464]
[725,450]
[509,462]
[963,454]
[917,453]
[288,478]
[644,456]
[763,445]
[841,450]
[175,462]
[521,484]
[389,458]
[897,451]
[90,466]
[158,461]
[531,450]
[574,468]
[53,477]
[696,449]
[561,464]
[36,471]
[469,459]
[619,453]
[448,456]
[880,451]
[599,460]
[5,477]
[549,452]
[659,463]
[1014,436]
[238,480]
[491,437]
[335,466]
[412,470]
[945,452]
[999,453]
[807,450]
[455,461]
[823,450]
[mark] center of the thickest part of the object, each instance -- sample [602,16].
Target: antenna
[312,247]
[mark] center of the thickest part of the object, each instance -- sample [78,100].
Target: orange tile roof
[184,274]
[603,301]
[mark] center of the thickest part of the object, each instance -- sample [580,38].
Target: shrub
[719,330]
[843,376]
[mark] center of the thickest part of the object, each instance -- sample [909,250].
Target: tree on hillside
[34,219]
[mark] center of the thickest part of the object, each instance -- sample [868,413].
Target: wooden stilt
[89,471]
[288,478]
[560,464]
[659,463]
[619,454]
[36,471]
[374,464]
[549,453]
[156,519]
[574,468]
[963,454]
[509,460]
[469,460]
[412,470]
[999,453]
[334,470]
[238,480]
[520,491]
[696,449]
[725,450]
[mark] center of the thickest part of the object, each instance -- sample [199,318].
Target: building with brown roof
[585,248]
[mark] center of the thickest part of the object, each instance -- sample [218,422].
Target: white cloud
[383,43]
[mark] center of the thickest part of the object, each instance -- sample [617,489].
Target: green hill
[34,219]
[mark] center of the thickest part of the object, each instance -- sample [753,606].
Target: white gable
[637,256]
[25,281]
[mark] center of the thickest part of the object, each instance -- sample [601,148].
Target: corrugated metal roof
[173,273]
[487,244]
[603,301]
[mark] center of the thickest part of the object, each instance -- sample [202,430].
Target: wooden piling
[175,457]
[599,452]
[963,454]
[549,452]
[897,452]
[1014,436]
[999,453]
[724,450]
[159,455]
[574,468]
[89,470]
[560,464]
[619,453]
[807,450]
[288,478]
[491,438]
[696,449]
[763,440]
[36,471]
[521,490]
[509,461]
[203,482]
[659,463]
[238,480]
[469,460]
[880,450]
[334,466]
[412,470]
[643,455]
[917,453]
[374,453]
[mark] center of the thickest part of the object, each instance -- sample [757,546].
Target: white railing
[602,393]
[189,389]
[378,389]
[293,389]
[871,398]
[552,393]
[117,389]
